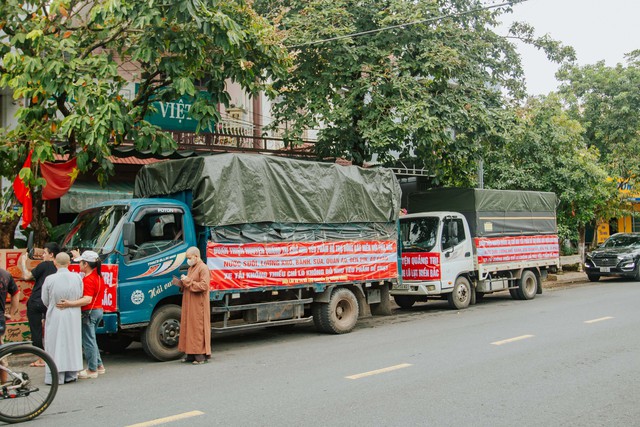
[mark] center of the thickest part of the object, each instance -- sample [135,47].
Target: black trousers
[36,312]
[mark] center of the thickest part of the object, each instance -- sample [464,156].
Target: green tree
[69,64]
[606,101]
[546,151]
[425,87]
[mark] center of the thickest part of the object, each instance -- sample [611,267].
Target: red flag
[59,177]
[23,194]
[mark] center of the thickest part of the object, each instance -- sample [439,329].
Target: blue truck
[286,241]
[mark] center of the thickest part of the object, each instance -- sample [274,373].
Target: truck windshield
[419,234]
[94,229]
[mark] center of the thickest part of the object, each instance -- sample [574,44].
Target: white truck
[461,244]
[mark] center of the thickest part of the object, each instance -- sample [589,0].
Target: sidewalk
[565,278]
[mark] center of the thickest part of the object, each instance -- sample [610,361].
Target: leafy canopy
[546,152]
[606,101]
[72,63]
[431,91]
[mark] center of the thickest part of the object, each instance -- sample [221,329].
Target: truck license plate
[605,269]
[401,286]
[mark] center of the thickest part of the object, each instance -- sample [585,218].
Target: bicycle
[26,390]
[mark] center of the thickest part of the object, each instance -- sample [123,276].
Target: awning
[83,195]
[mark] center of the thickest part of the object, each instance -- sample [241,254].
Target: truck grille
[605,262]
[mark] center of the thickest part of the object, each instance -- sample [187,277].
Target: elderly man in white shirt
[63,328]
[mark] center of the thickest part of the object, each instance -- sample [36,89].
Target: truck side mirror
[129,234]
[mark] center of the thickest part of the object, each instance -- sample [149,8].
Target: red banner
[23,194]
[110,276]
[517,248]
[421,266]
[252,265]
[59,177]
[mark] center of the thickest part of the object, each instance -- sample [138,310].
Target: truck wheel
[593,277]
[514,293]
[461,295]
[404,301]
[527,285]
[341,314]
[160,337]
[113,343]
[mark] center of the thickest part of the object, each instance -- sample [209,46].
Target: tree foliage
[430,86]
[606,101]
[547,152]
[70,63]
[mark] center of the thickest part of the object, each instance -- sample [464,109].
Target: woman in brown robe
[195,321]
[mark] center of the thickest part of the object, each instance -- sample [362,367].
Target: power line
[435,18]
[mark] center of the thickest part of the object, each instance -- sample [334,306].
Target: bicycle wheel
[23,392]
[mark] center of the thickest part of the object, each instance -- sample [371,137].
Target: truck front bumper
[416,288]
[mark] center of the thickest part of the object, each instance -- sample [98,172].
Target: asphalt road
[567,358]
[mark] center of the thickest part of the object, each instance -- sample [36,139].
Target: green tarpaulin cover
[232,189]
[493,212]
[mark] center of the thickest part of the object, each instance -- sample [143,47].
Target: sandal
[37,364]
[198,362]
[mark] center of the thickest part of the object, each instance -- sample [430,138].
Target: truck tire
[160,337]
[404,301]
[527,285]
[514,293]
[113,343]
[341,314]
[461,295]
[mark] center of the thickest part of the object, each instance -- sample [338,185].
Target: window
[156,232]
[452,232]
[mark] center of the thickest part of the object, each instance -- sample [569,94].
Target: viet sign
[251,265]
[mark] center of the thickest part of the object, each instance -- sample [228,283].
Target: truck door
[456,250]
[157,255]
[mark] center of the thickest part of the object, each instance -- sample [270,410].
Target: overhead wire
[421,21]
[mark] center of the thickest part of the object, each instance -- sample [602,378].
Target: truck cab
[142,245]
[437,250]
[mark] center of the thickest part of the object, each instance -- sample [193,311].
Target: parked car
[619,255]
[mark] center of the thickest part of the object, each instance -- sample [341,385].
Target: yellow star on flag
[73,174]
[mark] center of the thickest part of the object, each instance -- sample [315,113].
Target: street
[567,358]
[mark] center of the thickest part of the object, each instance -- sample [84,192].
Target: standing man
[7,286]
[36,310]
[63,340]
[195,320]
[91,303]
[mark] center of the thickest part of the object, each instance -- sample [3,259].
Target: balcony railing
[239,142]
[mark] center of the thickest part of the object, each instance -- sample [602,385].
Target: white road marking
[168,419]
[378,371]
[521,337]
[598,320]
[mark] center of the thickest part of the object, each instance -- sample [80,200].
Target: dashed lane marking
[599,319]
[165,420]
[378,371]
[521,337]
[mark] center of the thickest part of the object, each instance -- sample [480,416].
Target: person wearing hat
[91,303]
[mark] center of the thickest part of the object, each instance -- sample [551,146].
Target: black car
[619,255]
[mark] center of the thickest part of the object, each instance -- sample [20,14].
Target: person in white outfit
[63,328]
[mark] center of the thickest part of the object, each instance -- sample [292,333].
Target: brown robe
[195,321]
